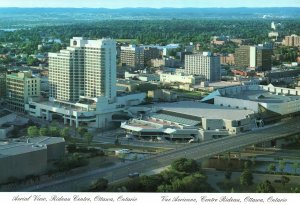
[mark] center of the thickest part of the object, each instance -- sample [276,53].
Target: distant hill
[34,16]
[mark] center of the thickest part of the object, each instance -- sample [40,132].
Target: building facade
[263,59]
[149,54]
[242,56]
[258,57]
[205,65]
[292,40]
[227,59]
[132,56]
[86,68]
[180,78]
[21,157]
[19,88]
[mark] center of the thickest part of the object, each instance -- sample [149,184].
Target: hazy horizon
[117,4]
[11,7]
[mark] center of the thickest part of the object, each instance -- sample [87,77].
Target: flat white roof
[262,96]
[204,110]
[17,148]
[20,146]
[46,140]
[221,84]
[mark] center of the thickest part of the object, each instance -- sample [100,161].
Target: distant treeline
[154,31]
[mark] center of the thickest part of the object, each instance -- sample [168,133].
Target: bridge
[195,151]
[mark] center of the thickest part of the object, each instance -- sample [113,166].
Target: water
[263,167]
[237,165]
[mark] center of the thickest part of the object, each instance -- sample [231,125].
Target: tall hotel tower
[87,68]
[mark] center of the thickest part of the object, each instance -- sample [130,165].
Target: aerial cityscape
[174,96]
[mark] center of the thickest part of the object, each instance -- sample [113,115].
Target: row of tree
[55,131]
[184,175]
[281,165]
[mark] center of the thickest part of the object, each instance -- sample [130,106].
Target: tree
[295,190]
[165,188]
[246,178]
[43,131]
[133,185]
[100,185]
[272,168]
[72,148]
[295,166]
[88,137]
[32,61]
[281,164]
[265,187]
[65,132]
[81,131]
[150,183]
[54,131]
[191,183]
[32,131]
[284,180]
[170,175]
[185,165]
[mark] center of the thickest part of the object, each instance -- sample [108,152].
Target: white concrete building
[258,98]
[205,65]
[273,25]
[273,34]
[86,68]
[180,78]
[82,82]
[190,120]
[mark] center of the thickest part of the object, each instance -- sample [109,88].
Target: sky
[149,3]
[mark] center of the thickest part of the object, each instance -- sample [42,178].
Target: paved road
[195,151]
[109,137]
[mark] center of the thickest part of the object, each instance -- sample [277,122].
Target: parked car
[133,175]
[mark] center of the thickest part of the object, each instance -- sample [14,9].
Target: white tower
[86,68]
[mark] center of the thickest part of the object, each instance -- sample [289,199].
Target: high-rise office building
[263,58]
[205,64]
[292,40]
[149,54]
[258,57]
[132,56]
[138,56]
[242,56]
[19,88]
[86,68]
